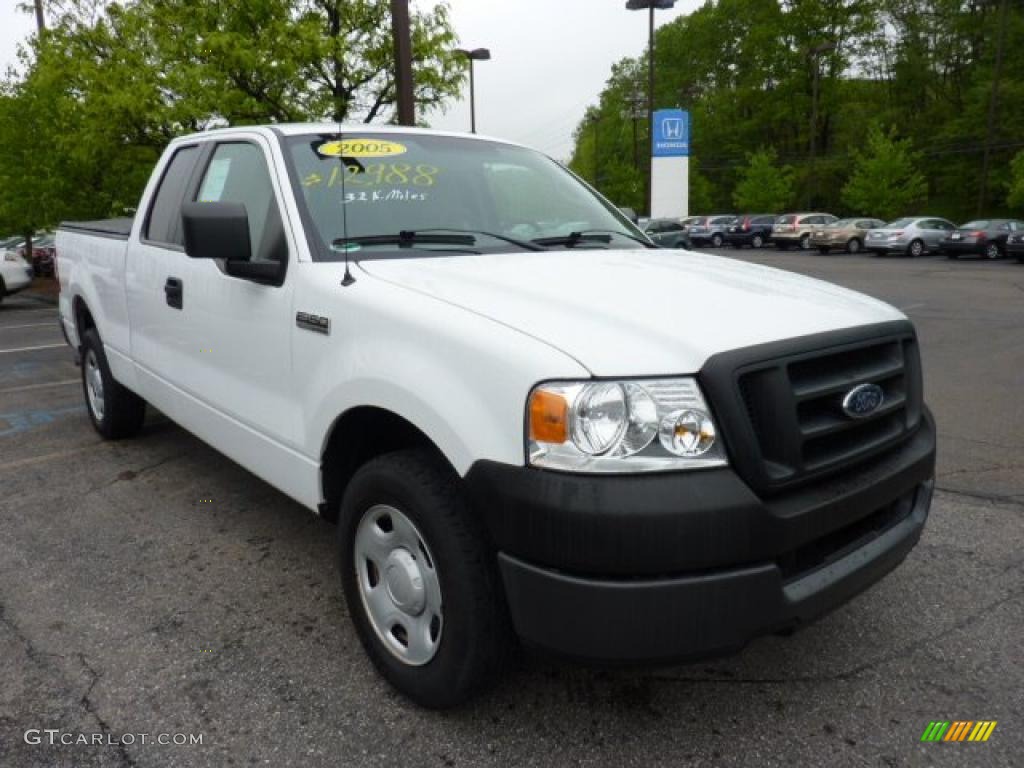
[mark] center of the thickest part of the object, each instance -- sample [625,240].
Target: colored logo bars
[958,730]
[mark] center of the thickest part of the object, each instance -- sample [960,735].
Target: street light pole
[815,54]
[650,6]
[403,62]
[475,55]
[992,104]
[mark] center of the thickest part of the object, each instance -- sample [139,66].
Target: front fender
[460,378]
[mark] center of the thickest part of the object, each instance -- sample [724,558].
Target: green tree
[764,185]
[1016,197]
[100,93]
[702,191]
[885,181]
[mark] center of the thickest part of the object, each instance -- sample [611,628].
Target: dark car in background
[1015,246]
[984,237]
[43,256]
[668,233]
[753,229]
[711,230]
[845,235]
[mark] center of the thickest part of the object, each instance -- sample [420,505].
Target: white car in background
[15,273]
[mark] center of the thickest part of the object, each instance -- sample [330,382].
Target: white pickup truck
[527,419]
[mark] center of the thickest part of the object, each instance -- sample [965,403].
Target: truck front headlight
[622,427]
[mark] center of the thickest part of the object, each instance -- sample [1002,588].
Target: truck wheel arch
[357,436]
[83,318]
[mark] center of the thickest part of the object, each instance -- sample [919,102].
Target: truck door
[224,341]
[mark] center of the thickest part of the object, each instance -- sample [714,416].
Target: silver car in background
[911,236]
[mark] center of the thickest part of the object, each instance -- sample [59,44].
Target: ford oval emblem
[860,402]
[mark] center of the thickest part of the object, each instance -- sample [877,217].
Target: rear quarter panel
[92,268]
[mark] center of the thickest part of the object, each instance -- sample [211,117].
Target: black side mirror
[630,214]
[216,231]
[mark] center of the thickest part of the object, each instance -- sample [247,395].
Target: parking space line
[33,349]
[48,457]
[27,387]
[30,325]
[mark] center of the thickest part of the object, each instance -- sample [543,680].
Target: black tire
[916,249]
[757,242]
[716,241]
[854,246]
[476,639]
[123,411]
[993,251]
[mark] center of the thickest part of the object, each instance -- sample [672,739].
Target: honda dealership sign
[670,166]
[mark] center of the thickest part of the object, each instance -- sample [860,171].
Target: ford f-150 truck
[527,420]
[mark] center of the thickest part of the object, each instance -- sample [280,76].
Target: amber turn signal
[549,417]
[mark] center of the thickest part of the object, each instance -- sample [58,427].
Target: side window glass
[164,225]
[238,173]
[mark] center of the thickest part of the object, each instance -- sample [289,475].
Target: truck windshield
[371,192]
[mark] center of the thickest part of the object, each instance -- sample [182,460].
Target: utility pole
[40,17]
[993,103]
[403,61]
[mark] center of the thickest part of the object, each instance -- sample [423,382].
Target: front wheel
[420,581]
[853,246]
[716,241]
[916,249]
[993,251]
[115,412]
[757,242]
[805,243]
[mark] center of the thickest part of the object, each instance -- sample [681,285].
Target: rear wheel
[805,243]
[916,249]
[420,580]
[853,246]
[115,412]
[993,251]
[757,241]
[716,241]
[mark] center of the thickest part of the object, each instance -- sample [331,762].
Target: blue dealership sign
[671,133]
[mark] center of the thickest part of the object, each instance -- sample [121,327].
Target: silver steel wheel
[992,251]
[94,384]
[757,242]
[917,248]
[398,583]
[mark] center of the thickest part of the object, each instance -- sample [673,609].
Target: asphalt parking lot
[152,586]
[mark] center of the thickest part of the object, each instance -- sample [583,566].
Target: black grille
[791,426]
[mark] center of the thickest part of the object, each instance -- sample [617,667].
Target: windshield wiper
[588,236]
[525,244]
[407,239]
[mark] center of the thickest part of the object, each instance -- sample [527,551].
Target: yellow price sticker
[362,148]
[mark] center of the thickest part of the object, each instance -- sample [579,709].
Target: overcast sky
[551,59]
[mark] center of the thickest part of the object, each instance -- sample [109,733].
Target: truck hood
[636,313]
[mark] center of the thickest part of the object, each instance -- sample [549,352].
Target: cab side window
[164,223]
[238,173]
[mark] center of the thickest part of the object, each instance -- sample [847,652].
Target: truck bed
[118,229]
